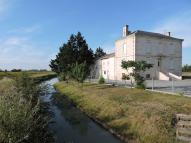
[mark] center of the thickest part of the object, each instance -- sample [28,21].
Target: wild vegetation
[139,116]
[23,118]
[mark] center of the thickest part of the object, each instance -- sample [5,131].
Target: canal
[70,125]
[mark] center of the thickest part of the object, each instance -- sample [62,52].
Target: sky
[31,31]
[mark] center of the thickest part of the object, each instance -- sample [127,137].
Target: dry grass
[140,116]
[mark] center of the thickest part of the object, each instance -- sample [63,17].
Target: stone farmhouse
[161,50]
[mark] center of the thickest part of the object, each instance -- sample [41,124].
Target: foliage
[99,53]
[125,77]
[62,77]
[79,72]
[76,50]
[23,118]
[101,80]
[137,115]
[186,68]
[137,67]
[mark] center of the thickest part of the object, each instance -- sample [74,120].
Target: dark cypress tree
[76,50]
[99,53]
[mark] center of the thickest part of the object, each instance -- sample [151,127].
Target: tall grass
[137,115]
[23,119]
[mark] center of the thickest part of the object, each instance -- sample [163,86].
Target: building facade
[161,50]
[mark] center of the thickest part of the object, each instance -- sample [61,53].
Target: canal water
[70,125]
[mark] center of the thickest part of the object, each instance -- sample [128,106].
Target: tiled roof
[152,34]
[156,34]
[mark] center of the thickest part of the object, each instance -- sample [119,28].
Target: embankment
[136,116]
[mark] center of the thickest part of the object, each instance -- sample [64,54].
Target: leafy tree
[99,53]
[126,77]
[76,50]
[79,72]
[137,67]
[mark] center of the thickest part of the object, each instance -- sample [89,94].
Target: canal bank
[70,124]
[136,115]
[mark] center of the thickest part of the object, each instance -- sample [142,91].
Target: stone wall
[165,54]
[124,50]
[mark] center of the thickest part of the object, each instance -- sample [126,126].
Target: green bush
[101,80]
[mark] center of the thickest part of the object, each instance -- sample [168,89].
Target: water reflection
[73,116]
[70,125]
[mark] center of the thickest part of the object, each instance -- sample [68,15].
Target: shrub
[101,80]
[79,72]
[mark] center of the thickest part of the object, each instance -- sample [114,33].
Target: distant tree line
[20,70]
[186,68]
[75,58]
[13,70]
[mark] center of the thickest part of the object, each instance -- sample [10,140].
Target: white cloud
[19,52]
[25,30]
[179,25]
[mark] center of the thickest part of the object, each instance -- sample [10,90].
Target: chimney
[167,34]
[125,30]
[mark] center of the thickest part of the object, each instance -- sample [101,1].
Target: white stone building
[161,50]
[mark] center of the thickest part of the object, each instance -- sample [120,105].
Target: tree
[76,50]
[79,72]
[137,67]
[99,53]
[186,68]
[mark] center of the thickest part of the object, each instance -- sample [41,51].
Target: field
[37,75]
[186,75]
[137,115]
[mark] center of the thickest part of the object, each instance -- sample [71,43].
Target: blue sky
[33,30]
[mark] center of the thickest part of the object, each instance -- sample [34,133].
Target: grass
[186,75]
[37,75]
[139,116]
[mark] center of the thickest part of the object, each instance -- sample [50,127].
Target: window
[149,60]
[148,76]
[158,63]
[148,50]
[124,49]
